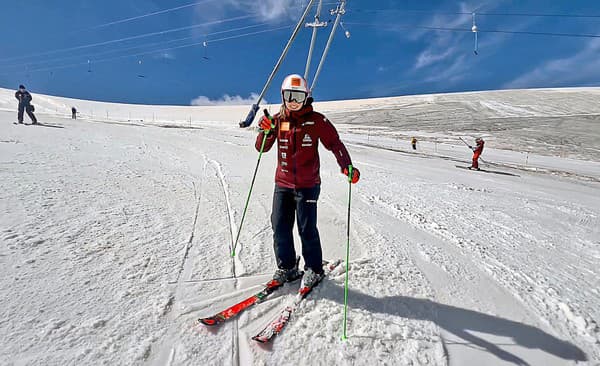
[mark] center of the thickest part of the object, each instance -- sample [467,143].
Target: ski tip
[208,321]
[260,339]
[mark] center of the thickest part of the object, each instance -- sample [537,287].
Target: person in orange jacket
[298,130]
[413,142]
[477,150]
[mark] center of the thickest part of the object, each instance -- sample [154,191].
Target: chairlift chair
[205,45]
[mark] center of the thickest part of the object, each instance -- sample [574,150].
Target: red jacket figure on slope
[477,150]
[298,130]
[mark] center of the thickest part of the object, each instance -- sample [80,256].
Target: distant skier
[24,99]
[298,130]
[477,150]
[413,142]
[73,113]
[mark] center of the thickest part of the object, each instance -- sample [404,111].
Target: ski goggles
[294,95]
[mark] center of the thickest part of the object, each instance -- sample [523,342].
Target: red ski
[277,324]
[242,305]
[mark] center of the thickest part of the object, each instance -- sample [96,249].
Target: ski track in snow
[118,238]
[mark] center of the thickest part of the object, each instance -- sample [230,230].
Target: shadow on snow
[461,322]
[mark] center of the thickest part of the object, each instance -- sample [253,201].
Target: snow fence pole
[344,336]
[262,146]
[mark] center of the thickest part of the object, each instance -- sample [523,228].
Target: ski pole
[262,146]
[344,336]
[248,121]
[465,142]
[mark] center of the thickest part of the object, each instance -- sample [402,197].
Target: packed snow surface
[117,228]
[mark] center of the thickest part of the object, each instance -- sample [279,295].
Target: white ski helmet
[294,82]
[294,88]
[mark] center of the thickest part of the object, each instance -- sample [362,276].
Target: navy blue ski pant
[25,108]
[299,204]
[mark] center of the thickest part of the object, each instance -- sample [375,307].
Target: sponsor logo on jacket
[307,141]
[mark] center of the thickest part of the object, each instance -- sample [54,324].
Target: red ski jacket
[298,135]
[478,149]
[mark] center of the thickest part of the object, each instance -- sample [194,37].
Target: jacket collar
[294,116]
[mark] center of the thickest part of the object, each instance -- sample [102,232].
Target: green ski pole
[344,336]
[262,146]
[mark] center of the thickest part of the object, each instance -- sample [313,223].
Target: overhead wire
[578,35]
[159,50]
[121,21]
[128,38]
[205,42]
[469,13]
[95,55]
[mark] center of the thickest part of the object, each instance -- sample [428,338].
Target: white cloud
[274,9]
[443,45]
[447,46]
[165,56]
[452,73]
[227,100]
[267,10]
[448,58]
[431,56]
[583,67]
[263,11]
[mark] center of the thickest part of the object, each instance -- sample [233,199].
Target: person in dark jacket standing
[298,129]
[73,113]
[24,99]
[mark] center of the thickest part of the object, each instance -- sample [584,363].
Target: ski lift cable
[152,44]
[244,35]
[541,15]
[161,50]
[392,27]
[469,13]
[129,38]
[121,21]
[575,35]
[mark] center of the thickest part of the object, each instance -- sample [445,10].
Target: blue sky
[46,45]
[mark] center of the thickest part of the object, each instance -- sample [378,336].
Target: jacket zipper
[294,155]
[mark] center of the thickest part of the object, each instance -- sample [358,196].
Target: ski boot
[283,275]
[311,278]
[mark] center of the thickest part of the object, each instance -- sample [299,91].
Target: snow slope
[116,236]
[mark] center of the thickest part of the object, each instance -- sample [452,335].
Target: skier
[413,142]
[73,113]
[477,150]
[298,130]
[24,99]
